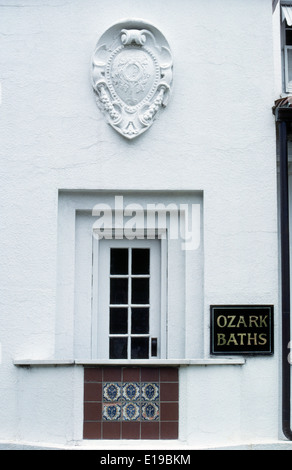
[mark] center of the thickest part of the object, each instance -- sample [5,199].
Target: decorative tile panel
[130,403]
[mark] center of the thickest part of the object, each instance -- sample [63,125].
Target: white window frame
[110,233]
[285,48]
[286,66]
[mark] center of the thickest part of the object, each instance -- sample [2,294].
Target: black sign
[242,329]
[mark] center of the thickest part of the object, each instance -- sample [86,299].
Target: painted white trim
[163,298]
[142,235]
[287,88]
[44,362]
[131,362]
[94,295]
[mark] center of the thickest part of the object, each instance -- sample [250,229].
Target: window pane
[140,261]
[118,321]
[140,348]
[288,37]
[140,321]
[140,291]
[118,348]
[119,261]
[119,291]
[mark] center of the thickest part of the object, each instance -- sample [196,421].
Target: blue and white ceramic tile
[150,411]
[150,391]
[131,391]
[130,401]
[131,412]
[111,392]
[111,411]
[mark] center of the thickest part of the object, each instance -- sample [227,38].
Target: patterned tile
[131,412]
[131,391]
[150,411]
[111,392]
[150,391]
[111,411]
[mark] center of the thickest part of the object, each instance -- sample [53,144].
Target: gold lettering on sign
[221,339]
[219,321]
[232,340]
[231,320]
[241,322]
[253,321]
[241,339]
[263,339]
[252,338]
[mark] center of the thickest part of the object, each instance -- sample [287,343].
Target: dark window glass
[118,291]
[288,37]
[140,261]
[140,291]
[140,321]
[118,321]
[118,348]
[140,348]
[119,261]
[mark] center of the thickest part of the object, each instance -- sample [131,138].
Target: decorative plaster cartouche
[132,76]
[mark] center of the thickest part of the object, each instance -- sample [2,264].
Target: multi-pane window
[129,333]
[129,317]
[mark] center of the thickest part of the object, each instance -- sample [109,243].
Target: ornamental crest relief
[132,76]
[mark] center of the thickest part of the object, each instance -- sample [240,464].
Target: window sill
[146,362]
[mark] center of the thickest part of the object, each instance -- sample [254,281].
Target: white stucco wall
[217,135]
[277,51]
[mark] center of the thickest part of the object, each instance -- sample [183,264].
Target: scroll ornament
[132,76]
